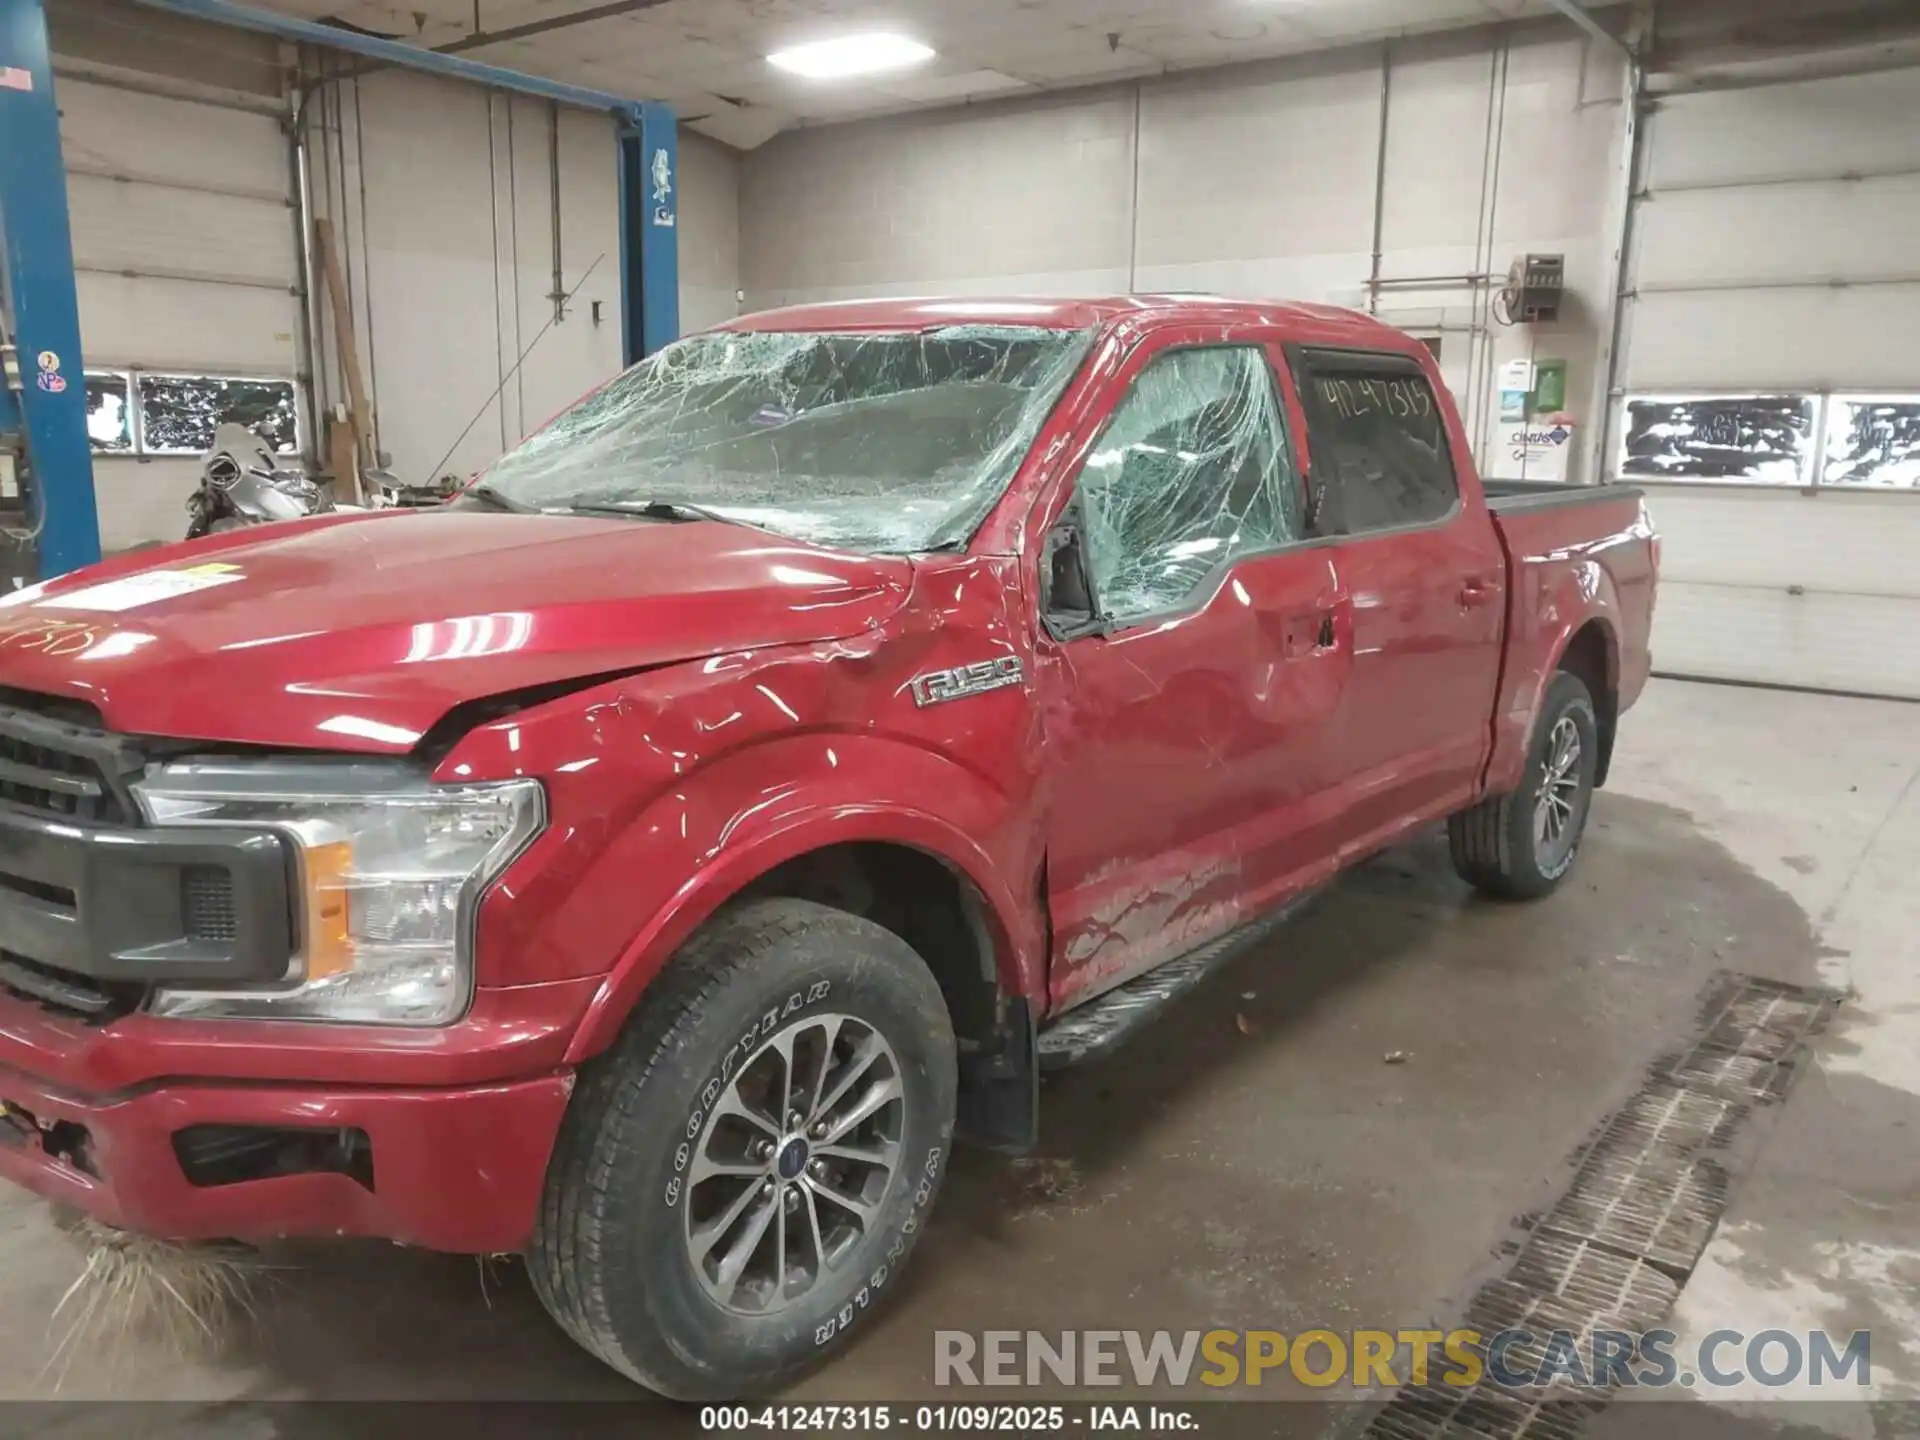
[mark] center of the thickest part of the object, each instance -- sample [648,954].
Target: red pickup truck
[652,860]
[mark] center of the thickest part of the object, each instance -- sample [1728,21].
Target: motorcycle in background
[243,483]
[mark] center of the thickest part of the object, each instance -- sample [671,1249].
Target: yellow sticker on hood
[148,588]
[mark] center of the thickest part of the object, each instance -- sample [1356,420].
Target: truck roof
[1065,313]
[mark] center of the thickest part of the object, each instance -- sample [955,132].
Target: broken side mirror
[1066,592]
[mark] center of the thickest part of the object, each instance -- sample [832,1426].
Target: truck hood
[359,632]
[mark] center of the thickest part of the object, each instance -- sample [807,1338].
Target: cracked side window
[1191,471]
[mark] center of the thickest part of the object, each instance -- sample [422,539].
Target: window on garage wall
[1873,440]
[147,413]
[110,412]
[1740,439]
[1847,440]
[179,413]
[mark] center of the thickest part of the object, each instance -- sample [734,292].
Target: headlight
[391,870]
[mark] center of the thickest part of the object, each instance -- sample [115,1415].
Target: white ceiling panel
[708,57]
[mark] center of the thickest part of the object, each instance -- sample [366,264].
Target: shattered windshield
[883,443]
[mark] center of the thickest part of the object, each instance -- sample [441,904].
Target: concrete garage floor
[1255,1163]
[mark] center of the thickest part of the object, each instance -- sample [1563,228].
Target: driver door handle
[1478,590]
[1312,631]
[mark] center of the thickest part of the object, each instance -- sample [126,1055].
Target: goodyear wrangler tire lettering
[709,1093]
[923,1197]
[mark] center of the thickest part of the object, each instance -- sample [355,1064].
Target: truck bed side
[1581,564]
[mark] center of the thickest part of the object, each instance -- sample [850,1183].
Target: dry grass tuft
[182,1297]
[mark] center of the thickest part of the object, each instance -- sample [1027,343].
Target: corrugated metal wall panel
[1784,188]
[135,234]
[135,226]
[162,138]
[1757,341]
[1837,541]
[1796,232]
[174,325]
[1813,127]
[132,224]
[1820,641]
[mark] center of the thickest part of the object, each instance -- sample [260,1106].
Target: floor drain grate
[1436,1414]
[1649,1186]
[1614,1251]
[1752,1033]
[1581,1285]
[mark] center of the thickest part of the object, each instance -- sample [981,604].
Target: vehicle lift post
[43,395]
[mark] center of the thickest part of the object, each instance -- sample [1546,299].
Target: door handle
[1478,590]
[1312,631]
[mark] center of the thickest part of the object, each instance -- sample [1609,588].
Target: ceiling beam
[394,52]
[543,27]
[1583,17]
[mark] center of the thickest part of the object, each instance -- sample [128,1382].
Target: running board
[1091,1030]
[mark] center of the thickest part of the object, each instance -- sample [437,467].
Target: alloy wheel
[794,1163]
[1557,805]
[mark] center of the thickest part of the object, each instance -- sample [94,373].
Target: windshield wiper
[678,511]
[494,500]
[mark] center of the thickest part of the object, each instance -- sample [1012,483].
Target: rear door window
[1377,440]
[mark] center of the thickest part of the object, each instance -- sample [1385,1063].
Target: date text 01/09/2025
[1005,1419]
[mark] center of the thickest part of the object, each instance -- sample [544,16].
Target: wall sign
[1535,449]
[662,172]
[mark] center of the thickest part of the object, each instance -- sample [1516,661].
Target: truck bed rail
[1506,496]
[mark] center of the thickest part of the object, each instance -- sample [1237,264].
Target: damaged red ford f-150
[651,861]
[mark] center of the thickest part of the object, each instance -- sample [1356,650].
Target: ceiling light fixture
[853,55]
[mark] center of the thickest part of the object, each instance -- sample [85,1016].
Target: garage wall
[442,197]
[443,194]
[1773,254]
[709,222]
[1257,180]
[1818,181]
[179,190]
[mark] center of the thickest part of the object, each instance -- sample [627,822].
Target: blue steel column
[39,259]
[649,230]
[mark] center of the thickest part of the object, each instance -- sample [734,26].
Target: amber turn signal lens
[329,913]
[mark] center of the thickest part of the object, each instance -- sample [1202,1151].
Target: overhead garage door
[1771,373]
[187,270]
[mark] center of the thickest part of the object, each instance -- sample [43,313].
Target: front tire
[741,1176]
[1520,846]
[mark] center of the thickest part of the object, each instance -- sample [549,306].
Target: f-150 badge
[937,686]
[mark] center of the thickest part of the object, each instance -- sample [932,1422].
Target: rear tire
[646,1250]
[1521,845]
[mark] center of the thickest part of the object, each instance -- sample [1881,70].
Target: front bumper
[458,1170]
[453,1127]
